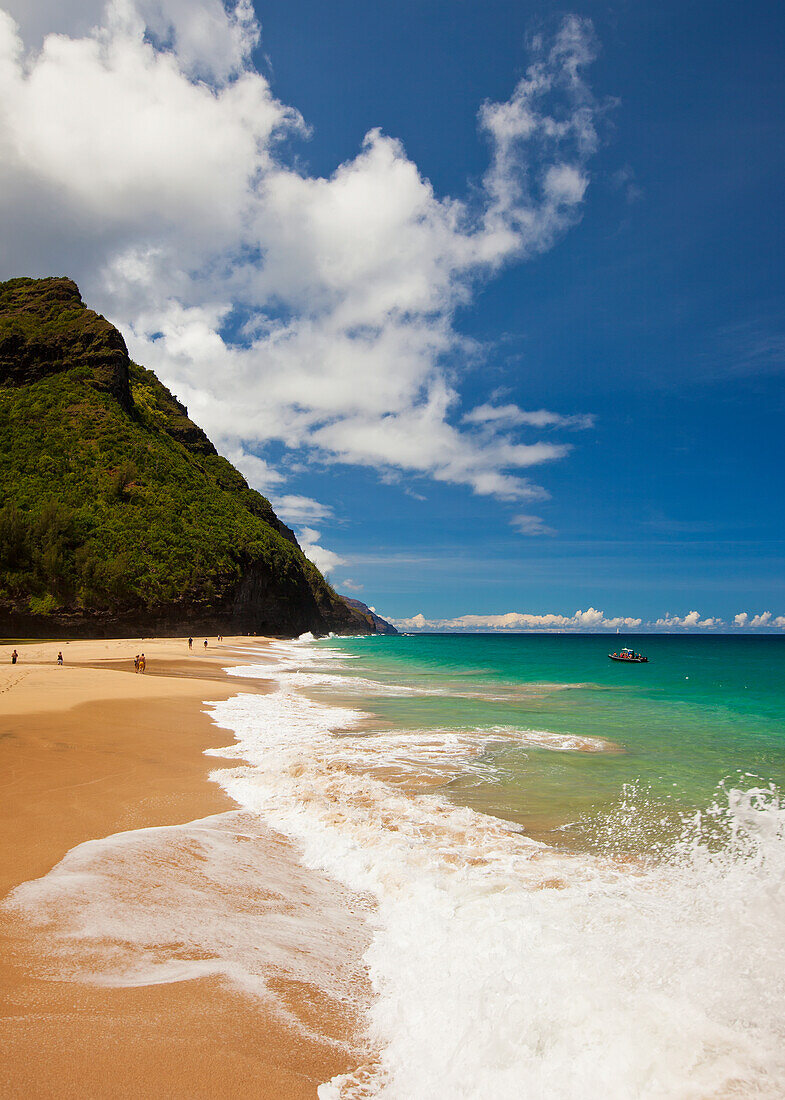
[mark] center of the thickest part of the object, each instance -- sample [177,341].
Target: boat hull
[630,660]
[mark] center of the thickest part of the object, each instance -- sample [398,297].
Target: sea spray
[505,968]
[501,967]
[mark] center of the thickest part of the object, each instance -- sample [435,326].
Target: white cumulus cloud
[589,620]
[325,560]
[689,621]
[142,153]
[762,619]
[516,621]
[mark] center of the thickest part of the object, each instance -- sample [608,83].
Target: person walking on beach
[190,643]
[60,657]
[142,663]
[205,643]
[14,657]
[136,663]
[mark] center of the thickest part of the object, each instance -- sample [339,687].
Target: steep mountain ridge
[377,623]
[116,511]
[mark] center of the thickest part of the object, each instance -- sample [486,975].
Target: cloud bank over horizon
[589,621]
[144,154]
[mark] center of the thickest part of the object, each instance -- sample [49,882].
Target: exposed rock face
[116,512]
[256,607]
[45,327]
[181,428]
[259,605]
[376,622]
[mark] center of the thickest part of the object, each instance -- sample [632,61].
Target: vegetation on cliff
[113,504]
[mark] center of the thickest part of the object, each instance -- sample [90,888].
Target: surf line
[499,963]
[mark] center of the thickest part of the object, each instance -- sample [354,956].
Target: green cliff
[116,511]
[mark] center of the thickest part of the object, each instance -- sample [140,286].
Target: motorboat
[630,656]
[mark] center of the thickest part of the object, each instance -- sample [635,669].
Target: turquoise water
[703,711]
[633,950]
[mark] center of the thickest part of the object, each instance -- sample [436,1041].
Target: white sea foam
[359,685]
[217,898]
[301,667]
[501,967]
[547,739]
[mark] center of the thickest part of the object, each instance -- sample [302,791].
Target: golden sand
[86,750]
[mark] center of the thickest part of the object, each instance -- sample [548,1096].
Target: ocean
[566,733]
[571,871]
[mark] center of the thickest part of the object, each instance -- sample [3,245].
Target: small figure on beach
[136,663]
[220,637]
[60,657]
[190,643]
[14,657]
[205,643]
[142,663]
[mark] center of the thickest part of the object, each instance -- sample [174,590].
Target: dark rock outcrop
[377,624]
[45,327]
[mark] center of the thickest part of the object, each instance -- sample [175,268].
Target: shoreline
[89,750]
[205,935]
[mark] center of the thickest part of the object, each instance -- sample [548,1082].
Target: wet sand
[87,750]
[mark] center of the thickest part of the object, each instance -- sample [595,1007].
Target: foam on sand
[505,968]
[500,967]
[221,897]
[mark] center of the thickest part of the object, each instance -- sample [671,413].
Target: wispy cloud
[300,510]
[531,525]
[510,416]
[752,347]
[668,526]
[624,180]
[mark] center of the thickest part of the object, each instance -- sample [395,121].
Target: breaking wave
[500,966]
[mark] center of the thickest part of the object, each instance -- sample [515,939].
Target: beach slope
[87,750]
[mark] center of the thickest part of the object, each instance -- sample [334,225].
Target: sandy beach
[87,750]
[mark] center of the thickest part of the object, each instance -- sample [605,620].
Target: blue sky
[647,301]
[661,312]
